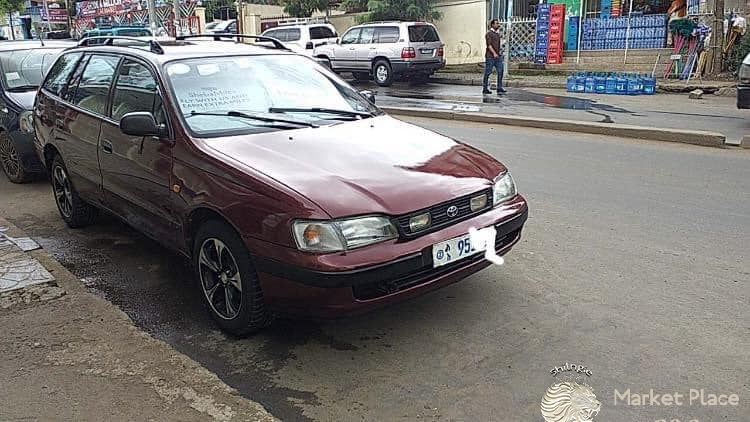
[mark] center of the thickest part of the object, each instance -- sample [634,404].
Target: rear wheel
[382,73]
[74,210]
[10,160]
[228,280]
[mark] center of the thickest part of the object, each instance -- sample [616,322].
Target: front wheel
[74,210]
[10,160]
[382,73]
[228,280]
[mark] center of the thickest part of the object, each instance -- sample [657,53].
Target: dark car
[296,197]
[22,66]
[743,86]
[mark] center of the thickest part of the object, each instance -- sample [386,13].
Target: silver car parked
[386,51]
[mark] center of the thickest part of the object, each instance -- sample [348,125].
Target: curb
[508,83]
[694,137]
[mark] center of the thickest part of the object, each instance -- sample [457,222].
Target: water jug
[649,85]
[570,84]
[590,85]
[600,84]
[610,84]
[580,83]
[632,87]
[621,86]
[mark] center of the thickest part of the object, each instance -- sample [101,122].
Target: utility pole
[177,14]
[717,38]
[152,17]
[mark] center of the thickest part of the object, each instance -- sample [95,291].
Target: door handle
[107,146]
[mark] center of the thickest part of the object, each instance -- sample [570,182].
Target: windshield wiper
[24,88]
[320,110]
[251,116]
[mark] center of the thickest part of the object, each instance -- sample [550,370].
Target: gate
[522,39]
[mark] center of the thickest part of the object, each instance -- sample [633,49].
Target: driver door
[345,57]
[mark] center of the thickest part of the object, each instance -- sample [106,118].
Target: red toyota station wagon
[289,190]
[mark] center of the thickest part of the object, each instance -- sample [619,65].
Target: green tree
[738,53]
[416,10]
[8,7]
[304,8]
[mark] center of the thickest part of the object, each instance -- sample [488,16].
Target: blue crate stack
[542,33]
[573,24]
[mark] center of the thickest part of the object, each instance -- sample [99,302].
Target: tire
[223,278]
[74,210]
[361,76]
[10,161]
[382,73]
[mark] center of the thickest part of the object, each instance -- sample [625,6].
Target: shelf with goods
[649,31]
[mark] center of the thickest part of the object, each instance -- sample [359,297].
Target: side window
[275,34]
[58,75]
[293,34]
[351,37]
[366,37]
[93,89]
[387,34]
[321,32]
[136,90]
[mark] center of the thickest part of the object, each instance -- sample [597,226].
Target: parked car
[303,37]
[120,31]
[387,51]
[223,27]
[302,197]
[23,65]
[743,85]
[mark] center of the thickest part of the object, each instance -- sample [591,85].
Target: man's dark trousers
[497,64]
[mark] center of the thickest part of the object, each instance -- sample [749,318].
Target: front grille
[439,214]
[385,287]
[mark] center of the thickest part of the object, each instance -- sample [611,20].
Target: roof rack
[302,21]
[218,37]
[154,46]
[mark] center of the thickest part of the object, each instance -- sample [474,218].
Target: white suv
[301,36]
[386,50]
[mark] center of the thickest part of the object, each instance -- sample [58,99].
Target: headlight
[26,122]
[341,235]
[504,189]
[745,73]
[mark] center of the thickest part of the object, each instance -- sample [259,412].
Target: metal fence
[522,38]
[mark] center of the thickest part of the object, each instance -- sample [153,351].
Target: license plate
[452,250]
[426,50]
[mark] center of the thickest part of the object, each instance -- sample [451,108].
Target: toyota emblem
[452,211]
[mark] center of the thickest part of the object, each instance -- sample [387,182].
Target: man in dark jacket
[493,57]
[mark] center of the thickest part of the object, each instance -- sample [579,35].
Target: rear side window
[423,33]
[386,34]
[58,75]
[293,34]
[320,32]
[93,89]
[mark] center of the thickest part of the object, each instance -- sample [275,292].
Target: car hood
[375,165]
[23,99]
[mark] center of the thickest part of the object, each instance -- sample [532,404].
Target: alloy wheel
[63,193]
[9,158]
[381,73]
[220,278]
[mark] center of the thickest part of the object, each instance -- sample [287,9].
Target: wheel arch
[196,218]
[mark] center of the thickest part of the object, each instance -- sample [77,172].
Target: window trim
[66,82]
[356,40]
[109,90]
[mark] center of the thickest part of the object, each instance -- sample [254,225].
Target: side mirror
[369,95]
[141,124]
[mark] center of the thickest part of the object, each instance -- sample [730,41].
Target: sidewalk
[69,355]
[728,88]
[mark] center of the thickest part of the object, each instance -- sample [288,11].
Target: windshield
[274,86]
[26,69]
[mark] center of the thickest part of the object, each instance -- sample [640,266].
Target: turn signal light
[440,52]
[408,53]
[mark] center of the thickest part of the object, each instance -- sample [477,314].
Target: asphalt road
[634,263]
[672,111]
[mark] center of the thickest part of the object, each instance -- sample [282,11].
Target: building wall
[462,29]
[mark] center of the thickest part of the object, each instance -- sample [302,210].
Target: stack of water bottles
[611,83]
[611,34]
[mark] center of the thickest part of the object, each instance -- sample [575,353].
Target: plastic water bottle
[649,85]
[580,83]
[589,85]
[570,84]
[600,84]
[621,86]
[632,84]
[610,84]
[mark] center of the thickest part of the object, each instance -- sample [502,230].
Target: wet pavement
[676,111]
[612,272]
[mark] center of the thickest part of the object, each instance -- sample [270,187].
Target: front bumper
[328,291]
[743,96]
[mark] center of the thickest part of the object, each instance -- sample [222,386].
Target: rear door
[425,40]
[79,119]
